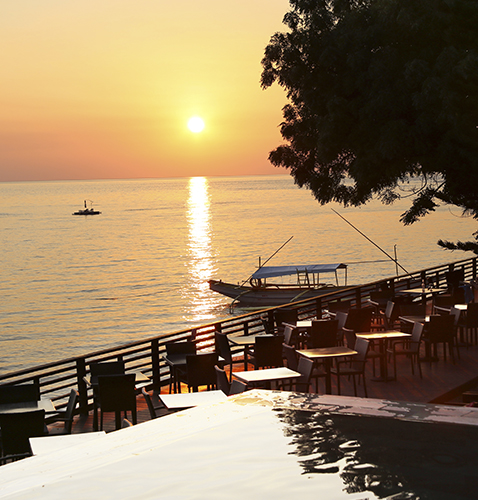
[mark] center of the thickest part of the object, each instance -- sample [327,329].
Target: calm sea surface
[72,284]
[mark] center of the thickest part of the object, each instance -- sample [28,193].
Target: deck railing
[57,378]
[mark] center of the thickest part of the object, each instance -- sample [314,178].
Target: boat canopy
[272,271]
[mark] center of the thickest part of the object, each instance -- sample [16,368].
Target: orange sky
[94,89]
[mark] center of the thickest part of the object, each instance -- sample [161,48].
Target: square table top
[245,340]
[42,404]
[391,334]
[141,378]
[191,399]
[327,352]
[420,290]
[266,375]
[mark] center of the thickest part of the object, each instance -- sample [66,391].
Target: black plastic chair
[223,349]
[19,393]
[149,403]
[222,382]
[65,416]
[106,368]
[441,330]
[290,355]
[176,353]
[409,347]
[117,393]
[237,387]
[282,316]
[355,366]
[201,371]
[17,429]
[268,351]
[323,333]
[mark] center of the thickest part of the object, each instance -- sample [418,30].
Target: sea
[72,284]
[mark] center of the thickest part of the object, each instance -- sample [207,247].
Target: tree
[382,93]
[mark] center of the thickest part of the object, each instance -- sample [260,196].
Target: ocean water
[74,284]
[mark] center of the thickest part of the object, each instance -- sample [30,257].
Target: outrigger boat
[259,292]
[87,211]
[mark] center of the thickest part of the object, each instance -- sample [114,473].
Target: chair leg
[364,384]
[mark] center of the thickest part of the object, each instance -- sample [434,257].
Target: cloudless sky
[98,89]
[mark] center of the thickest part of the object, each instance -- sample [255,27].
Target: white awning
[272,271]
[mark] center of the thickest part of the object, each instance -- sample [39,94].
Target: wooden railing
[57,378]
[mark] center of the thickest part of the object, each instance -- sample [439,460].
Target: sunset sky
[98,89]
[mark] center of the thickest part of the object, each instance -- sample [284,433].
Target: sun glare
[196,124]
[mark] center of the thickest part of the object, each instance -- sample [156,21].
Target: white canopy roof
[272,271]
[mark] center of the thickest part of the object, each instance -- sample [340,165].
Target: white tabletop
[49,444]
[266,375]
[42,404]
[191,399]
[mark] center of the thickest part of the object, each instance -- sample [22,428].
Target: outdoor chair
[222,382]
[341,317]
[471,322]
[200,370]
[282,316]
[359,320]
[355,367]
[268,352]
[409,347]
[66,416]
[237,387]
[323,334]
[290,336]
[441,330]
[19,393]
[117,393]
[177,372]
[17,429]
[290,355]
[302,384]
[106,368]
[151,406]
[223,349]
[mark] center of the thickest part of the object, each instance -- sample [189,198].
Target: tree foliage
[380,92]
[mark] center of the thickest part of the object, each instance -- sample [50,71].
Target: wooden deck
[443,382]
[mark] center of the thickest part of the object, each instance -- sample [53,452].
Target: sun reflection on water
[200,263]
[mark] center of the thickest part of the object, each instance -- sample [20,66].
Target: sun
[196,124]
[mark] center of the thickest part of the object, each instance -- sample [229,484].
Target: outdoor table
[246,341]
[382,338]
[23,406]
[266,375]
[191,399]
[422,291]
[327,354]
[50,444]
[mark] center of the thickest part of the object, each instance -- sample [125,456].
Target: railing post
[473,269]
[358,298]
[156,372]
[246,328]
[318,307]
[82,388]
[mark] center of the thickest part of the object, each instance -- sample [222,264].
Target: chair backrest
[20,393]
[186,347]
[416,338]
[268,351]
[285,316]
[323,333]
[341,317]
[149,403]
[472,315]
[70,410]
[441,328]
[222,382]
[223,348]
[361,346]
[290,355]
[304,367]
[359,320]
[289,335]
[412,309]
[390,313]
[200,370]
[107,368]
[117,392]
[237,387]
[18,428]
[350,338]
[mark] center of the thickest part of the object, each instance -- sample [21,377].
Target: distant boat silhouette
[87,211]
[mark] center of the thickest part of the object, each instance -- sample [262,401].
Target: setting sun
[196,124]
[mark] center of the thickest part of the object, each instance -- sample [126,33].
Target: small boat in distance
[259,292]
[87,210]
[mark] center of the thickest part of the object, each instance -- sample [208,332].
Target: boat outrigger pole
[373,243]
[262,265]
